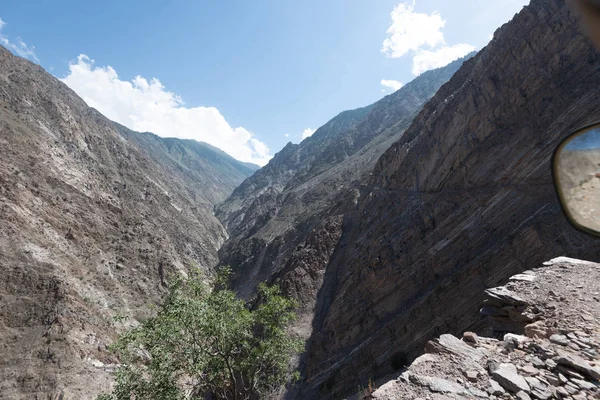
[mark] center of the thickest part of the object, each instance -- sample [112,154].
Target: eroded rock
[578,364]
[507,376]
[521,367]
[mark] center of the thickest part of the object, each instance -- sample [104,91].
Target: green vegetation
[204,342]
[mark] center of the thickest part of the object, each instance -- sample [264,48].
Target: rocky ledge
[542,342]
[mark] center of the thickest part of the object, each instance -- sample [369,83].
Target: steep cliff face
[460,203]
[276,209]
[92,226]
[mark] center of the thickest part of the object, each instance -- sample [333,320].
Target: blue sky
[245,76]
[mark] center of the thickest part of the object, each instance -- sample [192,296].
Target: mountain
[460,203]
[211,173]
[387,224]
[94,221]
[277,208]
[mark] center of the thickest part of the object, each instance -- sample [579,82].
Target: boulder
[536,330]
[507,376]
[578,364]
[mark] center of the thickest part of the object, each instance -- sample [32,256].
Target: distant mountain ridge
[304,184]
[212,173]
[339,138]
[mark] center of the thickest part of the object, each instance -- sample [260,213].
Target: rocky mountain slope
[460,203]
[276,209]
[384,253]
[547,321]
[92,225]
[210,173]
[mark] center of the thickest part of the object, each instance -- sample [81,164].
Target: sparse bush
[119,317]
[366,393]
[204,342]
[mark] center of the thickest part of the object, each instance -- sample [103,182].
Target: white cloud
[391,84]
[410,31]
[307,132]
[420,35]
[144,105]
[425,60]
[18,46]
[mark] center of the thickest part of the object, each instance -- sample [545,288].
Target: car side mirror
[576,170]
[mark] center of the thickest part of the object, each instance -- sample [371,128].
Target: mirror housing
[576,173]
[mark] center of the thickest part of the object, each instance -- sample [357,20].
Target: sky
[245,76]
[586,141]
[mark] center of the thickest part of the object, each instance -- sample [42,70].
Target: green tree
[204,342]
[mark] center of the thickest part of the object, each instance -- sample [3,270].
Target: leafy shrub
[207,343]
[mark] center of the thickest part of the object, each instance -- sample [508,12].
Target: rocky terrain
[275,210]
[210,174]
[93,223]
[388,225]
[548,324]
[460,203]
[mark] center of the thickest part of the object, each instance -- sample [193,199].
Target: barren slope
[91,227]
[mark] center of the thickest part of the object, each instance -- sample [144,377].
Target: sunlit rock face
[94,222]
